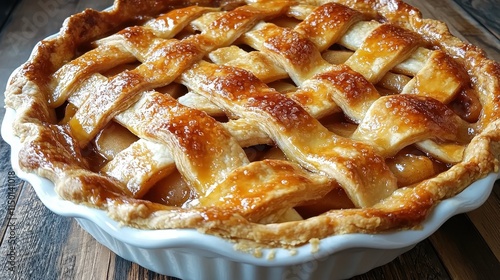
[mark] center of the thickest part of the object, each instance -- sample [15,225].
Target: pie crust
[273,122]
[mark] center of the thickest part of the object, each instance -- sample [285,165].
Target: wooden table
[48,246]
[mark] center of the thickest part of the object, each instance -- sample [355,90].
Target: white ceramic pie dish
[188,254]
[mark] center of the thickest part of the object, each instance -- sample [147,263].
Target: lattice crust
[244,119]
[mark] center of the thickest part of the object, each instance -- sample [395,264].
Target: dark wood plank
[9,185]
[486,219]
[484,11]
[463,250]
[30,22]
[6,7]
[35,257]
[82,257]
[126,270]
[422,256]
[10,190]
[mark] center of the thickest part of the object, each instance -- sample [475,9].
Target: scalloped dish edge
[469,199]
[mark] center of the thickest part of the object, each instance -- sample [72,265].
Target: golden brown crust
[236,198]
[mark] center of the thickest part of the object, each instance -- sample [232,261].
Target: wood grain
[10,190]
[464,252]
[30,22]
[32,221]
[6,7]
[486,220]
[48,246]
[82,257]
[422,256]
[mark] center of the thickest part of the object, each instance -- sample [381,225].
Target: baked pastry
[273,122]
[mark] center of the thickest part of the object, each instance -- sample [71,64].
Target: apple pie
[272,122]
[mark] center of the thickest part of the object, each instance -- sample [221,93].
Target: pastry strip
[287,124]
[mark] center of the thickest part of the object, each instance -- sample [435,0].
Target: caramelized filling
[411,166]
[171,191]
[95,159]
[335,199]
[467,105]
